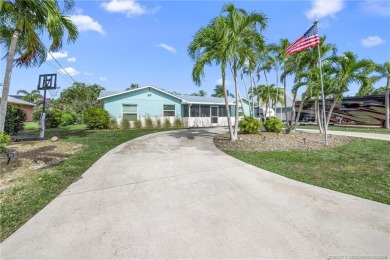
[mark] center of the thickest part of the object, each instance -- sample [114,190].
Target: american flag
[309,39]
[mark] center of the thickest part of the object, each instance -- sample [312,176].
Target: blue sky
[145,42]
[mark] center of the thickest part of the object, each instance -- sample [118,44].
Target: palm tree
[208,46]
[243,44]
[280,60]
[25,22]
[219,91]
[349,69]
[32,96]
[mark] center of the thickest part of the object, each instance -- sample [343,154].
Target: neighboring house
[26,106]
[195,111]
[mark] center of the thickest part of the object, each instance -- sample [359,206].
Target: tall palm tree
[243,44]
[349,69]
[208,47]
[280,61]
[32,96]
[24,23]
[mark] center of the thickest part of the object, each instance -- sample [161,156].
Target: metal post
[43,116]
[323,94]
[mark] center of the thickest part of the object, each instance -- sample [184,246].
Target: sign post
[45,82]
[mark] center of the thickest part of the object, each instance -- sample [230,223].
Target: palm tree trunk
[299,113]
[293,111]
[318,115]
[331,110]
[227,104]
[7,78]
[285,101]
[277,89]
[236,91]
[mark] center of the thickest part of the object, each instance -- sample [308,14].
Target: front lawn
[360,168]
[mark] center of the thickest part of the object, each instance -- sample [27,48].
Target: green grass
[20,203]
[361,129]
[360,168]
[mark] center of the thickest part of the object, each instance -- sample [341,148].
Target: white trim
[137,89]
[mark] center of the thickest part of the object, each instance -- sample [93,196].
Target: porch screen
[129,112]
[169,110]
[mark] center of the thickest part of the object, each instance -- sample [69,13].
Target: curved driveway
[174,195]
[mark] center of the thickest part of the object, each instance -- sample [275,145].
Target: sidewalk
[384,137]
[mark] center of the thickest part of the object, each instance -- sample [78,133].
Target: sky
[145,42]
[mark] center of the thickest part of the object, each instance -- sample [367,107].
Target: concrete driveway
[174,195]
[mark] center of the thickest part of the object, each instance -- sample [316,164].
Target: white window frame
[127,113]
[166,110]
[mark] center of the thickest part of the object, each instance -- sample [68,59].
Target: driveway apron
[174,195]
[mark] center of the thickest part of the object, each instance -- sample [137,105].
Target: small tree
[14,120]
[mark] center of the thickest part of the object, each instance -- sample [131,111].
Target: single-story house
[149,101]
[26,106]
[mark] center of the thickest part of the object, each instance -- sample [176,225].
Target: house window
[195,111]
[240,110]
[169,110]
[129,112]
[204,111]
[222,111]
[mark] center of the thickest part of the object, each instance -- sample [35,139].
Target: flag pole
[323,93]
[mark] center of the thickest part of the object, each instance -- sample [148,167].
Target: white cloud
[69,70]
[372,41]
[71,59]
[86,73]
[128,7]
[379,7]
[219,82]
[86,23]
[102,78]
[167,47]
[324,8]
[56,55]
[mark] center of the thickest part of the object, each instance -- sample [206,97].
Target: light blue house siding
[149,102]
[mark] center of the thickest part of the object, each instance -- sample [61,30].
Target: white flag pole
[323,94]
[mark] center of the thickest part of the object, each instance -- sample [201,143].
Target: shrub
[14,120]
[53,118]
[149,122]
[68,118]
[137,124]
[96,118]
[4,140]
[167,123]
[249,125]
[125,124]
[158,123]
[113,124]
[273,124]
[178,122]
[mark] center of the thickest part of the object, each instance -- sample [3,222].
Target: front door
[214,115]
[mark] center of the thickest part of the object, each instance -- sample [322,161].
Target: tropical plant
[23,23]
[249,125]
[133,86]
[137,123]
[348,69]
[219,91]
[166,123]
[4,140]
[96,118]
[32,96]
[209,46]
[244,42]
[273,124]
